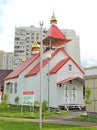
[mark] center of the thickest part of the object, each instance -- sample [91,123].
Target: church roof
[69,79]
[61,63]
[56,36]
[15,73]
[36,68]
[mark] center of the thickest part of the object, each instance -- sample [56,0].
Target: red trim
[77,66]
[66,80]
[28,93]
[36,68]
[58,66]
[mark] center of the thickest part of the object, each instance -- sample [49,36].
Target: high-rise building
[1,59]
[24,39]
[6,60]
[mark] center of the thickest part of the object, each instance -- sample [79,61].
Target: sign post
[28,99]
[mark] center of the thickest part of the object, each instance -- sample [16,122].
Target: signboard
[28,98]
[0,96]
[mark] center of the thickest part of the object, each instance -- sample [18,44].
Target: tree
[4,103]
[88,93]
[16,100]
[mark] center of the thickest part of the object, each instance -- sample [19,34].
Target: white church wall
[64,73]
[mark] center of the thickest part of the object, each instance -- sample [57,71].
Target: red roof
[58,66]
[69,79]
[61,63]
[22,67]
[36,69]
[56,36]
[66,80]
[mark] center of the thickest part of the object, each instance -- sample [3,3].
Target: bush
[4,103]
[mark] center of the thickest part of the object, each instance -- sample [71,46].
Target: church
[62,78]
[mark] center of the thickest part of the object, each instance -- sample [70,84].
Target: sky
[79,15]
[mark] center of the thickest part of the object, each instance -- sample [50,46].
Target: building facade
[91,82]
[6,60]
[1,59]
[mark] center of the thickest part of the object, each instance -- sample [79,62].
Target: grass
[15,111]
[25,125]
[86,119]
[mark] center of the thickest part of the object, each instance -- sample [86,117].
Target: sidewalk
[62,119]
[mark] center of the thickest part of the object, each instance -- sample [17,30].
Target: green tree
[16,100]
[4,103]
[88,93]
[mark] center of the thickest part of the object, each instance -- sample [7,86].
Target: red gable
[36,68]
[61,63]
[58,66]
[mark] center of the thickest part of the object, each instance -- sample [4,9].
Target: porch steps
[71,107]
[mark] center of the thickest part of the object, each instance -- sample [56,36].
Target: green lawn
[15,111]
[25,125]
[86,119]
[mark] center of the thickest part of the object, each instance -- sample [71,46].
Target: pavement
[61,119]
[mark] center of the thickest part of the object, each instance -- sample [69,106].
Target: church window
[70,67]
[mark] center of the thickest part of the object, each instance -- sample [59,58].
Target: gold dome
[53,19]
[35,46]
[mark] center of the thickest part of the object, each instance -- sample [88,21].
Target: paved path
[62,119]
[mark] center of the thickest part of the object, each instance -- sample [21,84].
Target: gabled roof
[58,66]
[22,67]
[69,79]
[56,36]
[36,69]
[61,63]
[3,74]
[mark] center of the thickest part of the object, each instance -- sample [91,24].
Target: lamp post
[48,57]
[41,53]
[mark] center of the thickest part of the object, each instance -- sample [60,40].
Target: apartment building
[6,60]
[1,59]
[24,39]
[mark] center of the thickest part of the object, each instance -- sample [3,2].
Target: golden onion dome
[35,47]
[53,19]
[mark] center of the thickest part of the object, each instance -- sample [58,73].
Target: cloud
[88,61]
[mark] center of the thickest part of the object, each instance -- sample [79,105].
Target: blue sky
[79,15]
